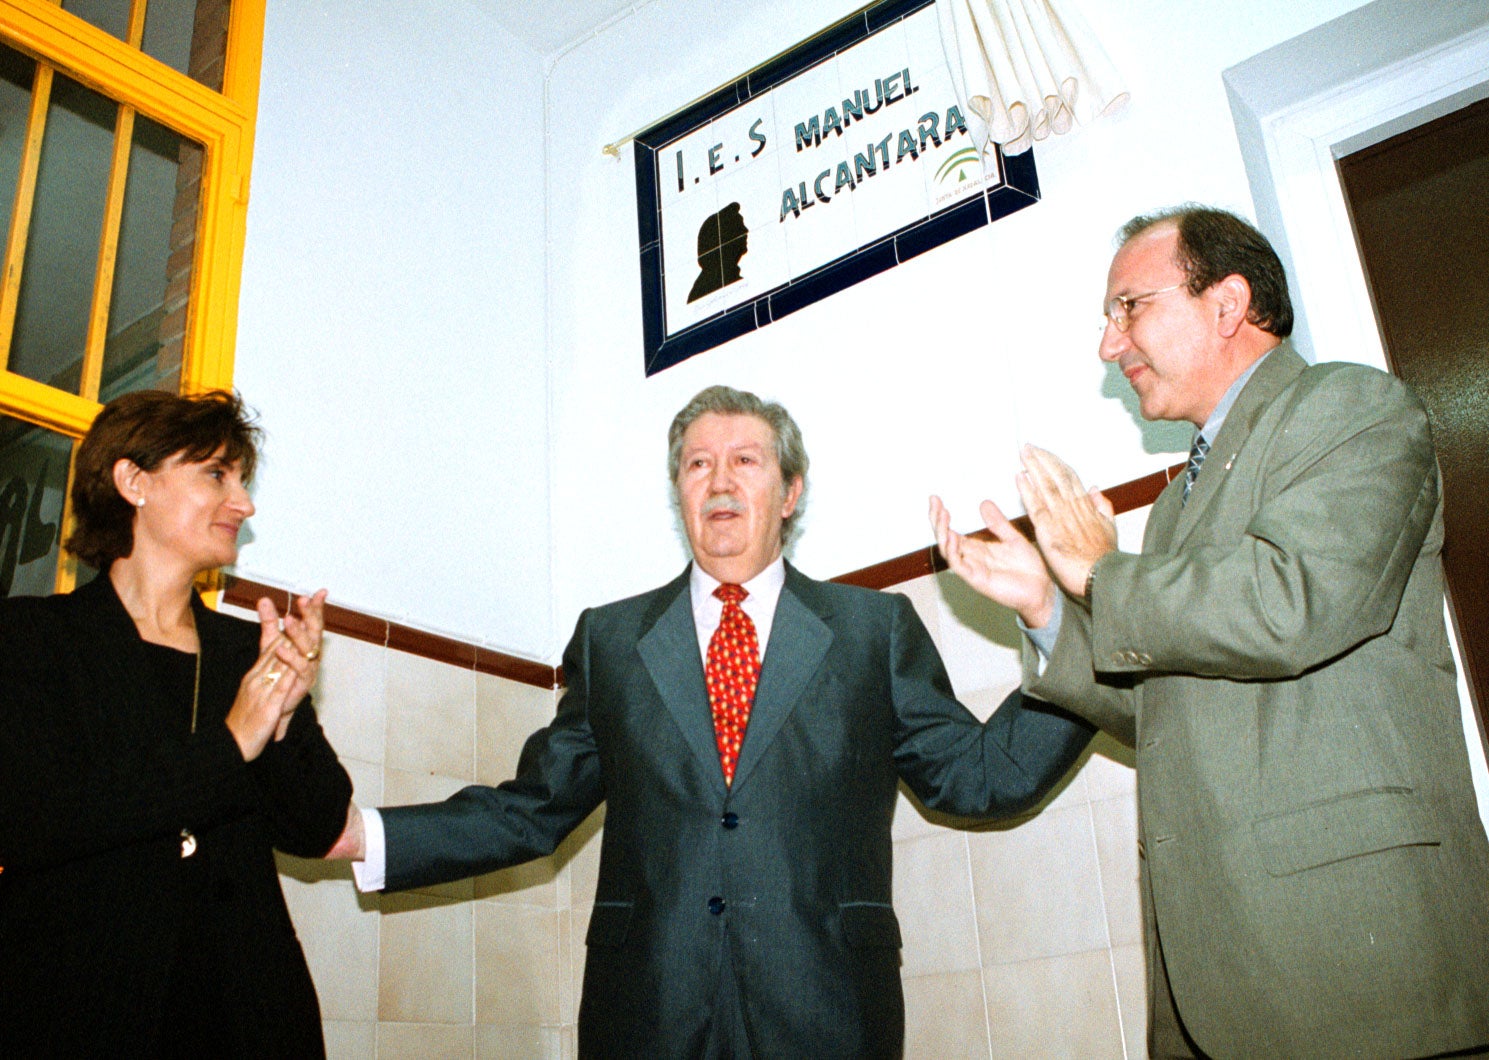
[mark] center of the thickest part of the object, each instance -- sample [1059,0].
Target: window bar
[108,249]
[66,578]
[20,218]
[108,242]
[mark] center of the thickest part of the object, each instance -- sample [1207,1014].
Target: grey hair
[791,453]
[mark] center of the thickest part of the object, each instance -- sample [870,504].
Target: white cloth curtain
[1026,69]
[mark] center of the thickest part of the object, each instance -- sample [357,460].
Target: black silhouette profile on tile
[722,241]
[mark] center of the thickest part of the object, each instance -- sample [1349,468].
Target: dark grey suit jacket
[786,875]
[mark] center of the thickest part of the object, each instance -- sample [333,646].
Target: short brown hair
[149,427]
[1214,244]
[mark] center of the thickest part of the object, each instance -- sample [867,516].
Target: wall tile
[1115,821]
[350,1041]
[979,641]
[517,965]
[945,1017]
[1037,889]
[1055,1008]
[925,594]
[933,898]
[568,982]
[431,716]
[911,820]
[532,884]
[424,1041]
[578,951]
[507,713]
[580,854]
[367,781]
[1129,963]
[337,926]
[425,961]
[519,1043]
[1111,770]
[350,697]
[338,931]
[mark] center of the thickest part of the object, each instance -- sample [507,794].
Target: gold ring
[313,654]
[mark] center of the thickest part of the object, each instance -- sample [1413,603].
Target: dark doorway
[1420,206]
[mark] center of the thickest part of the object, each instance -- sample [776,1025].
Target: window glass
[111,16]
[187,35]
[17,71]
[152,274]
[62,250]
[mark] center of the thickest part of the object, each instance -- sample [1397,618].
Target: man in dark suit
[743,906]
[1314,873]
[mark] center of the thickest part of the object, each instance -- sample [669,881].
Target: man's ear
[793,494]
[1233,300]
[127,479]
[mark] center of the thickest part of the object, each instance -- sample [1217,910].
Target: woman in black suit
[152,758]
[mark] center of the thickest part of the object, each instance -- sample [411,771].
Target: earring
[139,502]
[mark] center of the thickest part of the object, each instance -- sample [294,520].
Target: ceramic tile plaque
[836,161]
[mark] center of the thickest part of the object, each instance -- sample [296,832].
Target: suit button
[730,820]
[1142,849]
[1144,658]
[1119,657]
[716,905]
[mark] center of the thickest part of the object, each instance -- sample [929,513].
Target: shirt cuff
[1045,636]
[371,873]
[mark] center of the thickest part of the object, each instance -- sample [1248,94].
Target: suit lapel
[116,654]
[109,645]
[1164,518]
[799,640]
[669,649]
[1280,368]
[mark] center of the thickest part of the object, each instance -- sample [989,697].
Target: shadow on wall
[1158,437]
[977,612]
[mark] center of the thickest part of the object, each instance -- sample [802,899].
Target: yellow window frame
[222,122]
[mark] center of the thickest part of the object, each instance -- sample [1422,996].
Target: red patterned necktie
[732,673]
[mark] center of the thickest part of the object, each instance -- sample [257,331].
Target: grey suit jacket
[783,879]
[1311,851]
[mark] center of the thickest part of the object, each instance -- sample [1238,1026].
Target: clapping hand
[1073,527]
[284,672]
[1008,569]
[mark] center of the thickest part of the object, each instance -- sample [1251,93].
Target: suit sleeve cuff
[372,873]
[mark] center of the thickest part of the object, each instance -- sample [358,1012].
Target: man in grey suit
[1314,874]
[743,906]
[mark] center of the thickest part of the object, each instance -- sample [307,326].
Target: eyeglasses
[1119,310]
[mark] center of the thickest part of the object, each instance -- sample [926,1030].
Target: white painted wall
[922,379]
[446,451]
[391,329]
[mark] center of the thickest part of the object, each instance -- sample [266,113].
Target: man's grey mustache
[727,501]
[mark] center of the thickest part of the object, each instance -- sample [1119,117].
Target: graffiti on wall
[25,535]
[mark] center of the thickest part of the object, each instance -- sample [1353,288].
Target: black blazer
[96,900]
[788,871]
